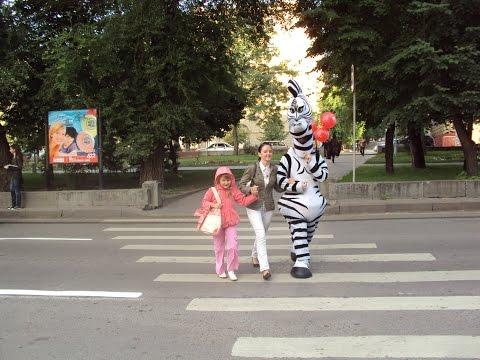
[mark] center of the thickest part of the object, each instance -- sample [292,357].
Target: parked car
[277,145]
[402,144]
[222,148]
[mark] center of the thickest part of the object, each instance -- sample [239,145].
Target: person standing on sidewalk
[262,174]
[14,169]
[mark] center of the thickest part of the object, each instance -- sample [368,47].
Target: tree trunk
[4,160]
[469,135]
[389,149]
[416,146]
[35,161]
[173,156]
[235,138]
[469,147]
[153,167]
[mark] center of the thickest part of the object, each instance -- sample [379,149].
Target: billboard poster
[73,136]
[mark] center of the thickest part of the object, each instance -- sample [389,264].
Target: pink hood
[224,170]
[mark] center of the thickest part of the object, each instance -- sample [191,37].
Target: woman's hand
[254,190]
[216,206]
[307,157]
[291,181]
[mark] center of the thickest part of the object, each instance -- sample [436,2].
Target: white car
[222,148]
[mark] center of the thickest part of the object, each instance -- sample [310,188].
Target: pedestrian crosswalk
[161,246]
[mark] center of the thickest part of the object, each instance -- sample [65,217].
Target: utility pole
[354,124]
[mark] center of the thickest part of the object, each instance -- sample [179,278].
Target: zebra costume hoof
[300,272]
[293,256]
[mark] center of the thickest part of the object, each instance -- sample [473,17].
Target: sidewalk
[181,207]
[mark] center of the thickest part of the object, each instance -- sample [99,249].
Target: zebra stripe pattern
[302,204]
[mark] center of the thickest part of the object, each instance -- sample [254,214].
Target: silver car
[220,148]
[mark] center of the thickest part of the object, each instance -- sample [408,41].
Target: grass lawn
[406,173]
[184,181]
[216,160]
[430,157]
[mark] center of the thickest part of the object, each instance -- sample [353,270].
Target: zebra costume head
[300,119]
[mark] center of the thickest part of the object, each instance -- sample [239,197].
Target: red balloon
[322,135]
[328,120]
[314,127]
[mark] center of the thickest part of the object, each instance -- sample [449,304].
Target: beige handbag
[212,223]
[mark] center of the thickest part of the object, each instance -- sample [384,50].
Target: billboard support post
[100,151]
[47,157]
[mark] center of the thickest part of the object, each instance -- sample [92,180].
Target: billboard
[73,136]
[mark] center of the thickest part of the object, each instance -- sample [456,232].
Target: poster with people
[72,136]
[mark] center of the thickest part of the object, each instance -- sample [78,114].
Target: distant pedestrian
[14,169]
[362,145]
[334,147]
[263,175]
[226,239]
[326,149]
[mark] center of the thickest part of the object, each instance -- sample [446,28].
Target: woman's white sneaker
[232,276]
[223,275]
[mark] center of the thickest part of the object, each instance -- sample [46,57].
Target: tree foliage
[417,62]
[157,71]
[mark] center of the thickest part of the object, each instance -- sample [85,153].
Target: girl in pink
[226,239]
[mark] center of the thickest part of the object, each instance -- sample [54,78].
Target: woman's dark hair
[16,148]
[71,131]
[260,147]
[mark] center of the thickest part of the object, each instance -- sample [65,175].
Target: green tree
[157,71]
[273,129]
[242,134]
[260,79]
[416,62]
[339,101]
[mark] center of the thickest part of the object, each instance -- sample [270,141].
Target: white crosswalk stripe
[184,229]
[277,259]
[195,247]
[365,347]
[205,237]
[373,277]
[399,303]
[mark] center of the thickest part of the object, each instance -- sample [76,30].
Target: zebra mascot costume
[302,204]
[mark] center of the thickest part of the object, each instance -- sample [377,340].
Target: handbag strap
[215,193]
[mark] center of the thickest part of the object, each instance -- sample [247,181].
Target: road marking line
[168,220]
[153,220]
[205,237]
[279,258]
[45,238]
[182,229]
[399,303]
[379,277]
[433,346]
[108,294]
[196,247]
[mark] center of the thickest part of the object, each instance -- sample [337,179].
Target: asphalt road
[380,288]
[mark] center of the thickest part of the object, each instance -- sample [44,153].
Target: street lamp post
[354,123]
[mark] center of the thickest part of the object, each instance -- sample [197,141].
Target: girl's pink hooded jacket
[227,196]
